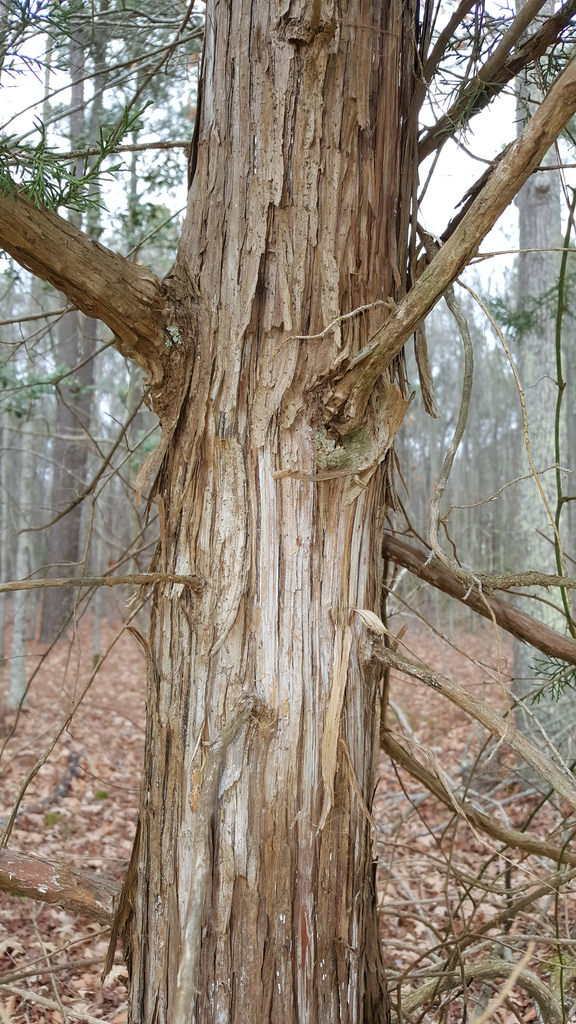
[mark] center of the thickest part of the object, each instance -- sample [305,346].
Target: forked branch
[353,382]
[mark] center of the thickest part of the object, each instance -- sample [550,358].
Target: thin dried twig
[140,579]
[547,766]
[534,472]
[529,842]
[457,312]
[540,992]
[338,320]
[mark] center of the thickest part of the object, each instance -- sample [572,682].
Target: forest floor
[438,879]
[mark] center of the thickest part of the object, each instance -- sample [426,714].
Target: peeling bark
[293,217]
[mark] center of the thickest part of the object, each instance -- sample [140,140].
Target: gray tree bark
[539,224]
[25,501]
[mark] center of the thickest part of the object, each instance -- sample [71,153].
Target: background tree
[538,270]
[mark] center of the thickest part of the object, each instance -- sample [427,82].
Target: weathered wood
[303,167]
[79,893]
[521,625]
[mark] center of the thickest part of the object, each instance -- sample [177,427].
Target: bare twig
[139,579]
[551,1011]
[42,759]
[515,621]
[457,312]
[339,320]
[500,68]
[136,147]
[526,432]
[529,842]
[554,773]
[49,1004]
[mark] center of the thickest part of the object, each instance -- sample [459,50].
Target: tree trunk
[76,343]
[255,868]
[18,674]
[253,877]
[76,340]
[540,234]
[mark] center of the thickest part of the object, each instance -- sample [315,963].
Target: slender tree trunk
[538,267]
[255,867]
[18,676]
[77,342]
[70,453]
[4,533]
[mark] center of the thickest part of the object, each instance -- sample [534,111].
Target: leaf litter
[440,882]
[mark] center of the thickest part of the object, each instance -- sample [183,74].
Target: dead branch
[443,40]
[24,875]
[546,765]
[138,147]
[521,625]
[42,759]
[139,579]
[49,1004]
[541,993]
[528,842]
[455,307]
[46,968]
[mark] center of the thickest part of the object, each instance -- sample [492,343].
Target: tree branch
[127,297]
[500,68]
[138,579]
[521,625]
[529,842]
[545,764]
[57,884]
[352,383]
[541,993]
